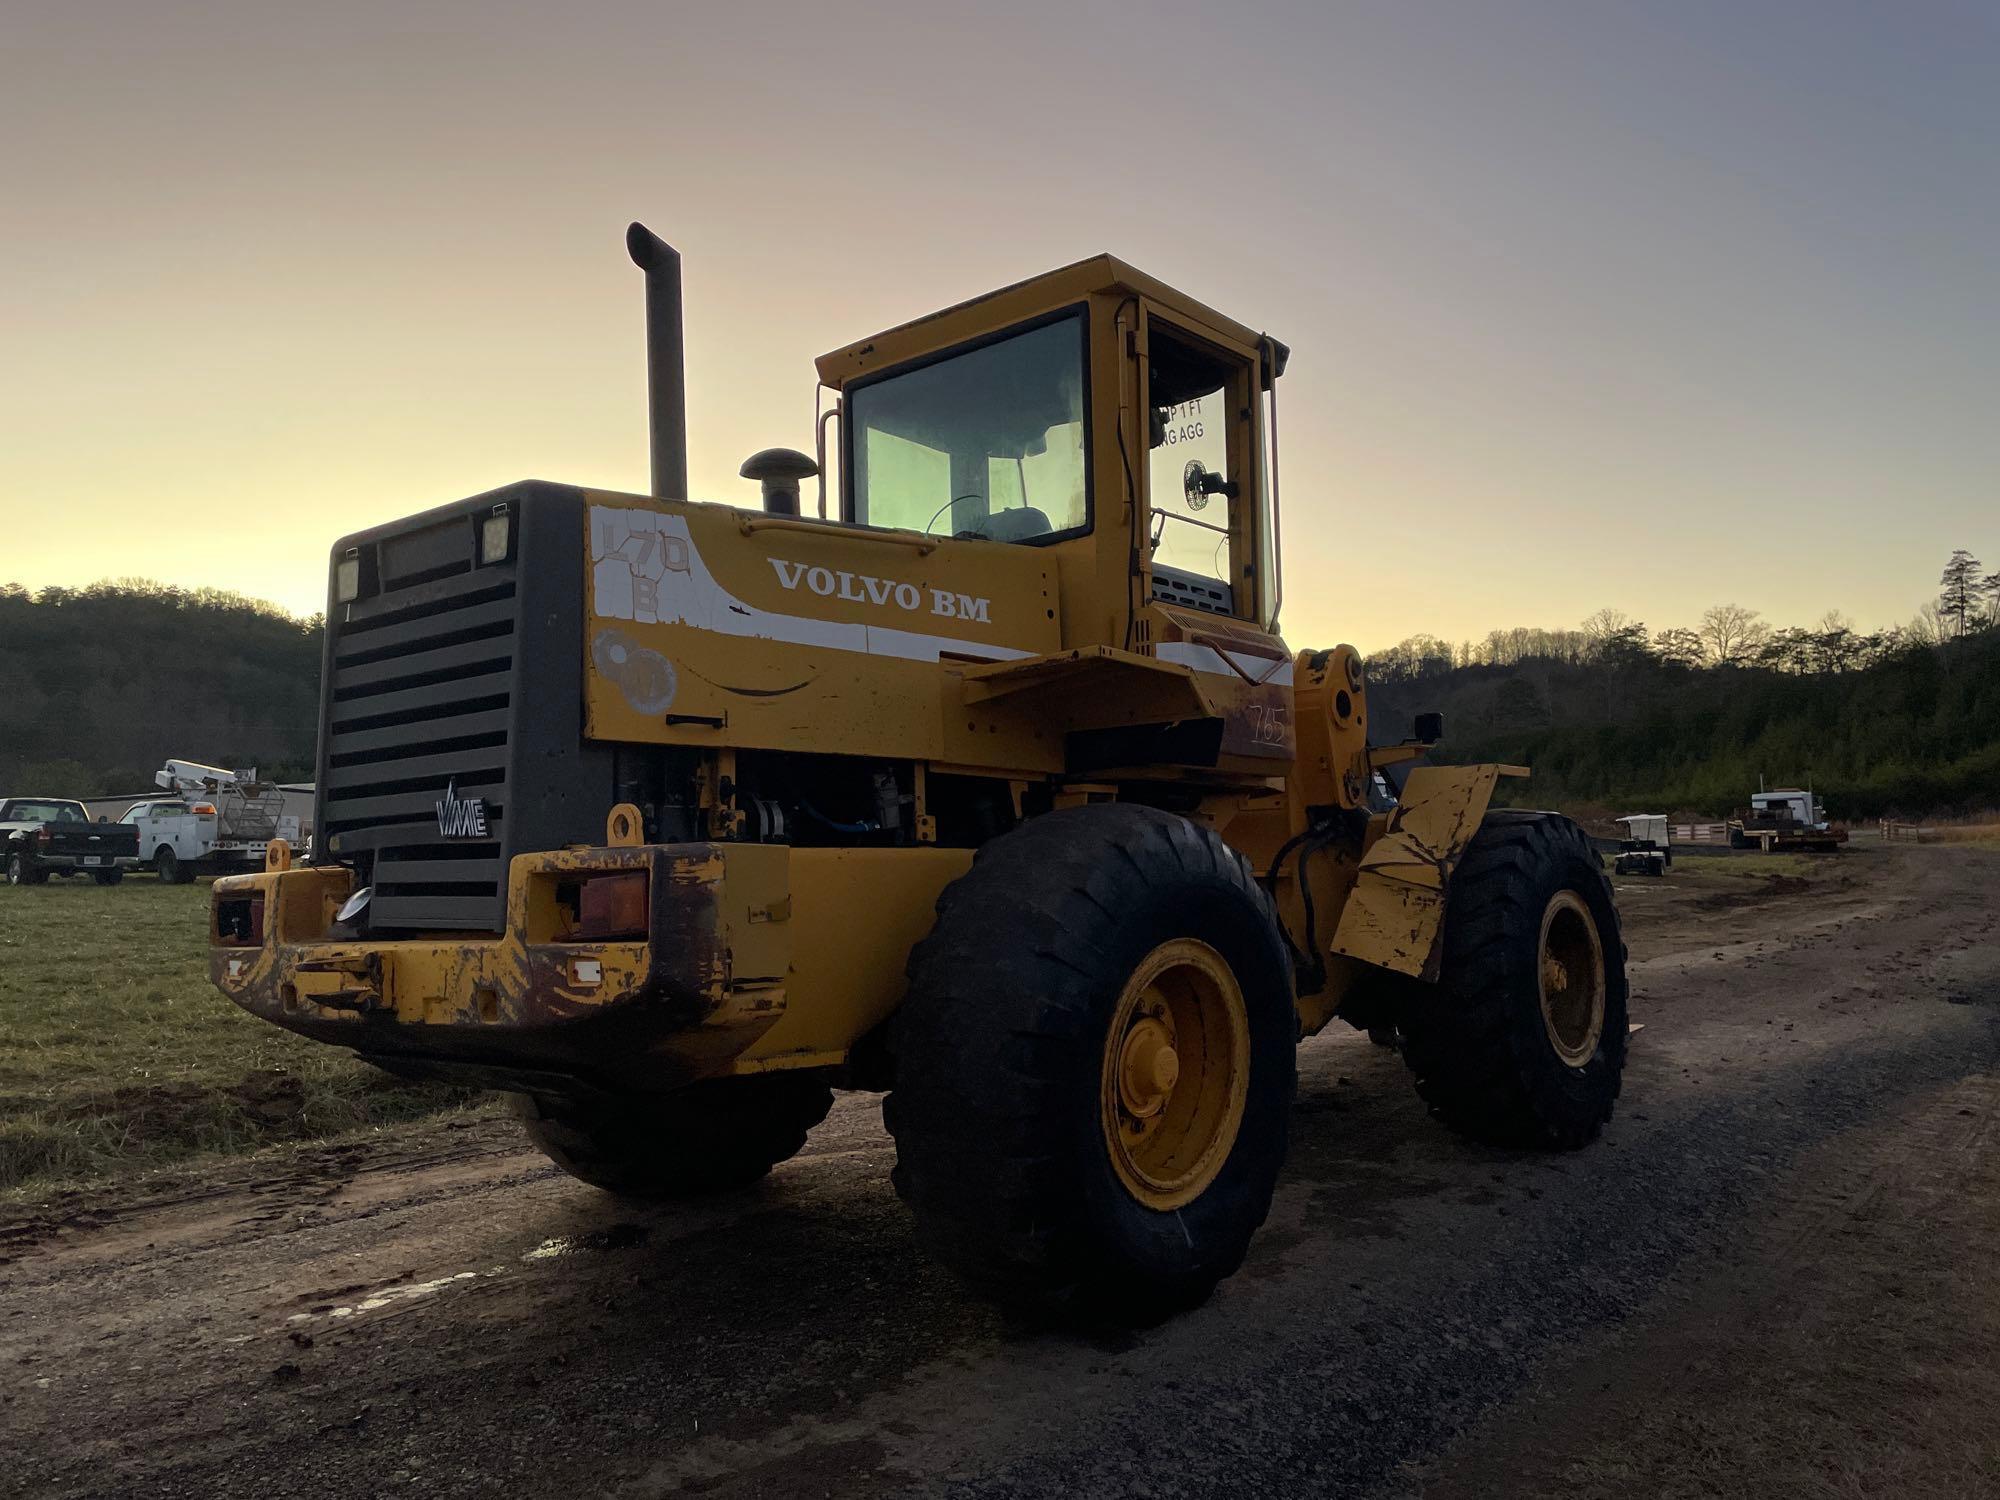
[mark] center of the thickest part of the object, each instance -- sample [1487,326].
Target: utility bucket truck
[217,822]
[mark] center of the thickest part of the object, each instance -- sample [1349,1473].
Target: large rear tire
[22,870]
[107,877]
[1522,1040]
[1095,1065]
[706,1138]
[170,867]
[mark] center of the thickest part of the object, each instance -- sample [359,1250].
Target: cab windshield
[985,443]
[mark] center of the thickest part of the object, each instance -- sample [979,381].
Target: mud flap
[1395,917]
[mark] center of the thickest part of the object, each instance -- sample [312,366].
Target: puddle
[388,1296]
[616,1237]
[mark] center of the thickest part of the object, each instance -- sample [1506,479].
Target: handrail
[820,419]
[923,544]
[1269,458]
[1174,515]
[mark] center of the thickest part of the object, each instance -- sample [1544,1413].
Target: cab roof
[1096,275]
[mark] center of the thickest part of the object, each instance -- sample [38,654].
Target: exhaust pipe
[666,366]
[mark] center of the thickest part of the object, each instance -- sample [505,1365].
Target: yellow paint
[875,687]
[729,964]
[810,946]
[856,913]
[1175,1074]
[624,827]
[1394,917]
[1331,692]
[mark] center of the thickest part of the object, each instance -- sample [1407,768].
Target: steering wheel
[975,495]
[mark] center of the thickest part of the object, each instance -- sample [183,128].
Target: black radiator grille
[419,698]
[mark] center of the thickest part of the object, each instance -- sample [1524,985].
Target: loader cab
[1093,412]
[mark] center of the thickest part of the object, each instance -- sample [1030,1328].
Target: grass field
[1984,831]
[1745,870]
[116,1054]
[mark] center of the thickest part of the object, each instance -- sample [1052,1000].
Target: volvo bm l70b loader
[991,785]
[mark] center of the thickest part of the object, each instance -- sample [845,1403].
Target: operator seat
[1016,525]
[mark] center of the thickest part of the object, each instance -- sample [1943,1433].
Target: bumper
[525,1008]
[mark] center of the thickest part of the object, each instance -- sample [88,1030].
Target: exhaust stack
[666,366]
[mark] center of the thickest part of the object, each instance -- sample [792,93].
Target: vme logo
[862,588]
[461,817]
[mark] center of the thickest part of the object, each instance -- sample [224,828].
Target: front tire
[1095,1064]
[709,1137]
[1521,1042]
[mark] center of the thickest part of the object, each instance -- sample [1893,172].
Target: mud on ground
[1770,1276]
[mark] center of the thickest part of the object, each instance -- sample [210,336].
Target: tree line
[100,685]
[1904,720]
[1728,635]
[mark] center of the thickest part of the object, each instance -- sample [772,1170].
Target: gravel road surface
[1772,1275]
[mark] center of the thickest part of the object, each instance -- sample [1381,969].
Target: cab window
[45,812]
[1190,519]
[1195,525]
[988,442]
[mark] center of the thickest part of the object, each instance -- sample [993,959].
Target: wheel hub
[1571,977]
[1176,1073]
[1148,1069]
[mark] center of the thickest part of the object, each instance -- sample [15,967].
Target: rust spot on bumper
[500,1009]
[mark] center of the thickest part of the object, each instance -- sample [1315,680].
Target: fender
[1394,918]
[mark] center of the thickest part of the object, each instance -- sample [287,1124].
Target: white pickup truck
[221,823]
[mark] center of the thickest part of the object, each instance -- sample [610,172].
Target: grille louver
[420,697]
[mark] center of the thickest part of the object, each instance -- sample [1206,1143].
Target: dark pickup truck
[44,836]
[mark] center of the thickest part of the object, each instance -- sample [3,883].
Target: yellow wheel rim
[1571,977]
[1176,1073]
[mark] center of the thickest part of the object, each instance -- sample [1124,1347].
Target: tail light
[609,908]
[239,921]
[42,835]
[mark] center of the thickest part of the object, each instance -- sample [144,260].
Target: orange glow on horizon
[1583,311]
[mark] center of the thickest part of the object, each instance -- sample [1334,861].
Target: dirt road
[1773,1274]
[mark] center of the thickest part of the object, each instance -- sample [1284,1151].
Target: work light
[493,536]
[347,577]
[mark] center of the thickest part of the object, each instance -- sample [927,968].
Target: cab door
[1207,560]
[139,818]
[1210,532]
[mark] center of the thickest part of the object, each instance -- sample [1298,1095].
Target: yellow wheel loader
[984,779]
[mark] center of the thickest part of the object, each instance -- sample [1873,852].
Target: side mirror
[1429,729]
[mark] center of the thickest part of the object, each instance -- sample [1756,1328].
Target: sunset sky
[1590,303]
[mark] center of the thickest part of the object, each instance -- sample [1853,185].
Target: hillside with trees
[1688,719]
[100,685]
